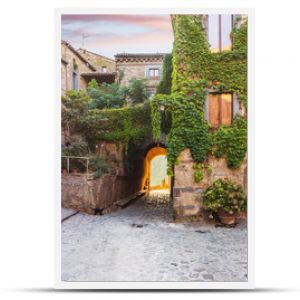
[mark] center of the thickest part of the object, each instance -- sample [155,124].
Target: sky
[112,34]
[213,31]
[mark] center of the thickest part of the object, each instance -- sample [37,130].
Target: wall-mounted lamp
[161,107]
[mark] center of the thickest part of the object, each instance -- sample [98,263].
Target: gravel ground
[141,243]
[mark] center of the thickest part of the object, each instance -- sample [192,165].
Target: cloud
[119,32]
[154,21]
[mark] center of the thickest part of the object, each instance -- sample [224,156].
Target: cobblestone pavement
[141,243]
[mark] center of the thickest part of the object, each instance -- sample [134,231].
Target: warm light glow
[155,175]
[159,178]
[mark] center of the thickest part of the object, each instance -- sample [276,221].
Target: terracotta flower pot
[226,218]
[75,171]
[64,172]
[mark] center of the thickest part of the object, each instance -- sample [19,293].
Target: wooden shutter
[214,109]
[226,109]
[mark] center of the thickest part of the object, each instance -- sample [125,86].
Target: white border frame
[59,284]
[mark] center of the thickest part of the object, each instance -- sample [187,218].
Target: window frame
[75,80]
[153,69]
[220,32]
[220,108]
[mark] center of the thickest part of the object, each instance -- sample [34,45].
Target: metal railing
[68,158]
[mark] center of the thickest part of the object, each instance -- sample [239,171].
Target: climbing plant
[165,84]
[121,125]
[178,108]
[196,70]
[231,142]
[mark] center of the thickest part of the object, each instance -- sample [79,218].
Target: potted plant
[226,199]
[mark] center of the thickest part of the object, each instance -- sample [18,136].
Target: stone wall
[88,194]
[91,195]
[99,61]
[188,194]
[111,152]
[138,67]
[68,57]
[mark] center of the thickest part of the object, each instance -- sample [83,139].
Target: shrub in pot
[225,198]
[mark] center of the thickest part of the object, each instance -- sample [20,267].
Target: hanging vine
[195,70]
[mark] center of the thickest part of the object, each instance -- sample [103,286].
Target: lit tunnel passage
[155,166]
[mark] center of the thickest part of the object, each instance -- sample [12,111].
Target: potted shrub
[225,198]
[64,166]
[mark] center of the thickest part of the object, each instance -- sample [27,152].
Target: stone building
[101,63]
[73,64]
[226,86]
[140,66]
[105,67]
[78,67]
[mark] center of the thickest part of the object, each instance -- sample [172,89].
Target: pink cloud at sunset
[112,34]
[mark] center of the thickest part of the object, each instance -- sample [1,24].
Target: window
[153,72]
[74,81]
[219,29]
[220,109]
[104,69]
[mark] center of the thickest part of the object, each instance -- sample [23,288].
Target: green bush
[226,195]
[106,95]
[137,91]
[98,166]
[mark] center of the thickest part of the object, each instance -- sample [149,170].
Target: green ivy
[195,70]
[198,172]
[165,85]
[189,127]
[231,142]
[123,125]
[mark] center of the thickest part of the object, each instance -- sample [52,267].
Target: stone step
[126,201]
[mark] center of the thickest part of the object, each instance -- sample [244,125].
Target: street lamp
[161,107]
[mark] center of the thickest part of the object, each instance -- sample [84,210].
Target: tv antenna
[84,36]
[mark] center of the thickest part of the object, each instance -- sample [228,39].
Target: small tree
[137,91]
[74,107]
[106,95]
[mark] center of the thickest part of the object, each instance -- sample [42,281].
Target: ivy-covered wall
[196,71]
[128,125]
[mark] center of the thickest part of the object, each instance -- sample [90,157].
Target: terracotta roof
[78,54]
[100,76]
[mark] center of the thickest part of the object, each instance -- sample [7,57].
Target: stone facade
[92,195]
[72,65]
[188,194]
[79,67]
[101,63]
[140,66]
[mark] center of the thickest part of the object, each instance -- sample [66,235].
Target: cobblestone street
[141,243]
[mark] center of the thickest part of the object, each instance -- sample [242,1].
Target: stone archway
[154,152]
